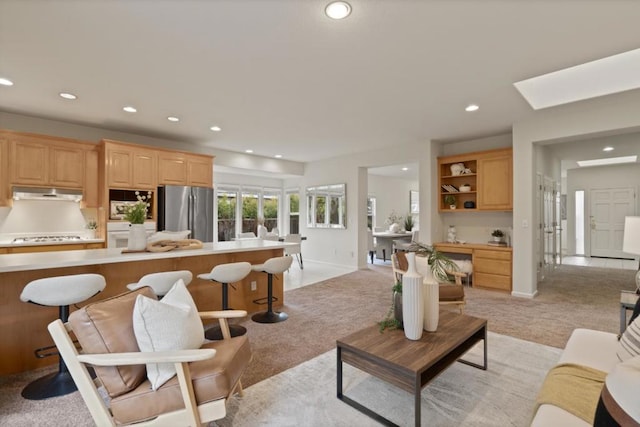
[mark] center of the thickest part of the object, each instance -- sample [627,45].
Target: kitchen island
[24,325]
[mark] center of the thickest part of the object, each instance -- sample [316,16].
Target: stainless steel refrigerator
[186,208]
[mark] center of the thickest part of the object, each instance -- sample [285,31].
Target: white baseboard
[524,294]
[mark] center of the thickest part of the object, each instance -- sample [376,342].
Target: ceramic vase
[394,228]
[431,297]
[137,238]
[412,300]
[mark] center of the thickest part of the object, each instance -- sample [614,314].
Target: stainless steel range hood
[39,193]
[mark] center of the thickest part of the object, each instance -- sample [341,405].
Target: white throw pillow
[169,235]
[170,324]
[629,344]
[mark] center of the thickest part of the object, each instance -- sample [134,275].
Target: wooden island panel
[24,325]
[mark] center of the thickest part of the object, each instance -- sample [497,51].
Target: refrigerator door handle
[192,211]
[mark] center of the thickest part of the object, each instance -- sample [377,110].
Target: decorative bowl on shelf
[465,188]
[469,205]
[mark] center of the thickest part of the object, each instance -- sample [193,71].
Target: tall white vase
[137,238]
[412,300]
[431,296]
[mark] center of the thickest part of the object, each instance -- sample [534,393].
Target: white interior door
[539,235]
[608,209]
[548,226]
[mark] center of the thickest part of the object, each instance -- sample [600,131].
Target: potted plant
[497,235]
[408,222]
[136,215]
[393,221]
[450,200]
[440,265]
[92,226]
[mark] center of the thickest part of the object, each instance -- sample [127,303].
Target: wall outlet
[254,285]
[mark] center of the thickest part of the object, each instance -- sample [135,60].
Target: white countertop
[44,260]
[9,244]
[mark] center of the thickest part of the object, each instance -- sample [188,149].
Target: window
[227,201]
[250,211]
[371,212]
[270,204]
[327,206]
[294,212]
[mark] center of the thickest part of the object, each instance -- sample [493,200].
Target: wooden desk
[491,264]
[409,365]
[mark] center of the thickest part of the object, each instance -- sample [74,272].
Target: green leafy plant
[449,200]
[497,233]
[389,321]
[92,225]
[440,263]
[408,222]
[137,213]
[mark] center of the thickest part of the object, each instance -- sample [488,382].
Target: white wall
[615,113]
[601,177]
[392,194]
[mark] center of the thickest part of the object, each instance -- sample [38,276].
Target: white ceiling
[281,78]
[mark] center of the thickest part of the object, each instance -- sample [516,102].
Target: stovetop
[45,239]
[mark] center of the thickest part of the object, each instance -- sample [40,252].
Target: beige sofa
[595,349]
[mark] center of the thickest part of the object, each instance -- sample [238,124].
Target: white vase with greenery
[136,214]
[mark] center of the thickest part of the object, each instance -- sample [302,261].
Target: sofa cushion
[170,324]
[629,344]
[595,349]
[107,327]
[213,379]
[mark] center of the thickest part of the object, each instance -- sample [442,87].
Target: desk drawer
[491,266]
[491,281]
[487,253]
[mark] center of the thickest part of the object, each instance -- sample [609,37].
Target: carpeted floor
[503,395]
[321,313]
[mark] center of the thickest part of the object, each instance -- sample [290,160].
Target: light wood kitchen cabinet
[495,181]
[488,176]
[46,161]
[130,166]
[5,191]
[176,168]
[91,193]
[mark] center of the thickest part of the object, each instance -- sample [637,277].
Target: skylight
[609,161]
[617,73]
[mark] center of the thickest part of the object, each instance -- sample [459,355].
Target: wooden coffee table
[409,365]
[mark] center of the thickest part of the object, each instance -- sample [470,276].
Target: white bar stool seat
[272,266]
[61,292]
[226,274]
[162,282]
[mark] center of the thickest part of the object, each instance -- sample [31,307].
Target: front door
[608,209]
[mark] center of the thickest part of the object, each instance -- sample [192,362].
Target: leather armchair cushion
[107,327]
[451,292]
[212,379]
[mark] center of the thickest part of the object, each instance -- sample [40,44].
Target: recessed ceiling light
[471,107]
[278,156]
[248,151]
[338,10]
[609,161]
[215,128]
[405,169]
[173,119]
[67,95]
[130,109]
[5,82]
[608,149]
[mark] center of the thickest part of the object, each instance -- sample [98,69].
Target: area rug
[305,395]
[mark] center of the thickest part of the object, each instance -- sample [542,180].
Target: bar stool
[271,266]
[226,274]
[162,282]
[59,291]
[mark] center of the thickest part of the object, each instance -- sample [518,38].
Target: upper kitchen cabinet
[130,166]
[175,168]
[495,181]
[46,161]
[91,180]
[479,181]
[4,178]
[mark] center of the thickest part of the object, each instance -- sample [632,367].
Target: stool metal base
[269,317]
[215,333]
[52,385]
